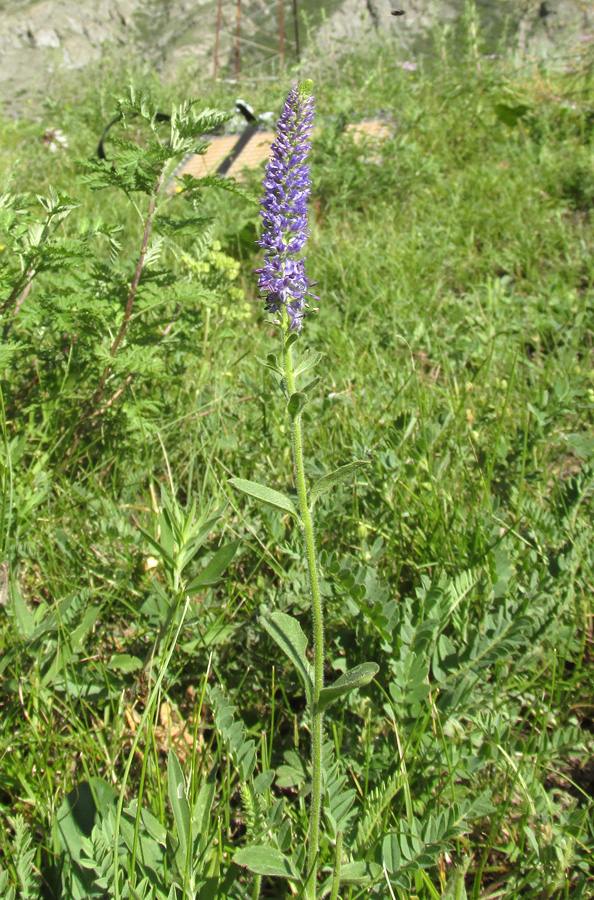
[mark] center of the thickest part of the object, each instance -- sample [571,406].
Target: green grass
[456,321]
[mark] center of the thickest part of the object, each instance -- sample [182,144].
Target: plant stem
[17,307]
[318,632]
[128,311]
[337,862]
[149,710]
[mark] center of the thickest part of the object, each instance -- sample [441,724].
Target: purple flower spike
[282,280]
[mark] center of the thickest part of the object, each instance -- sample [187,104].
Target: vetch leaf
[150,839]
[359,872]
[266,860]
[265,494]
[327,482]
[352,679]
[211,573]
[391,856]
[263,781]
[289,635]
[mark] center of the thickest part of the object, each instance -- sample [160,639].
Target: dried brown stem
[134,287]
[17,307]
[112,399]
[26,278]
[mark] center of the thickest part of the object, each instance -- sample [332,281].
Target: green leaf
[176,784]
[289,635]
[265,494]
[89,619]
[124,662]
[141,830]
[271,362]
[266,860]
[309,387]
[77,814]
[359,872]
[205,529]
[307,361]
[391,856]
[204,801]
[24,617]
[263,781]
[165,556]
[167,539]
[327,482]
[211,573]
[510,115]
[297,402]
[352,679]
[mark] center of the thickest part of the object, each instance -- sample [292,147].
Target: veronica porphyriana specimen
[284,283]
[284,209]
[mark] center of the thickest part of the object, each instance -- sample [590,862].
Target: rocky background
[40,38]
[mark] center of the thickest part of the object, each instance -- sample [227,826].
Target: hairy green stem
[318,633]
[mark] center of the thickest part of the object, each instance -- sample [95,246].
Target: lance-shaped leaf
[206,527]
[203,806]
[309,387]
[265,494]
[308,361]
[156,545]
[327,482]
[211,573]
[266,860]
[352,679]
[271,362]
[296,403]
[176,783]
[289,635]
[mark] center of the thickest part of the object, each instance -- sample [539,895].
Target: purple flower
[282,279]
